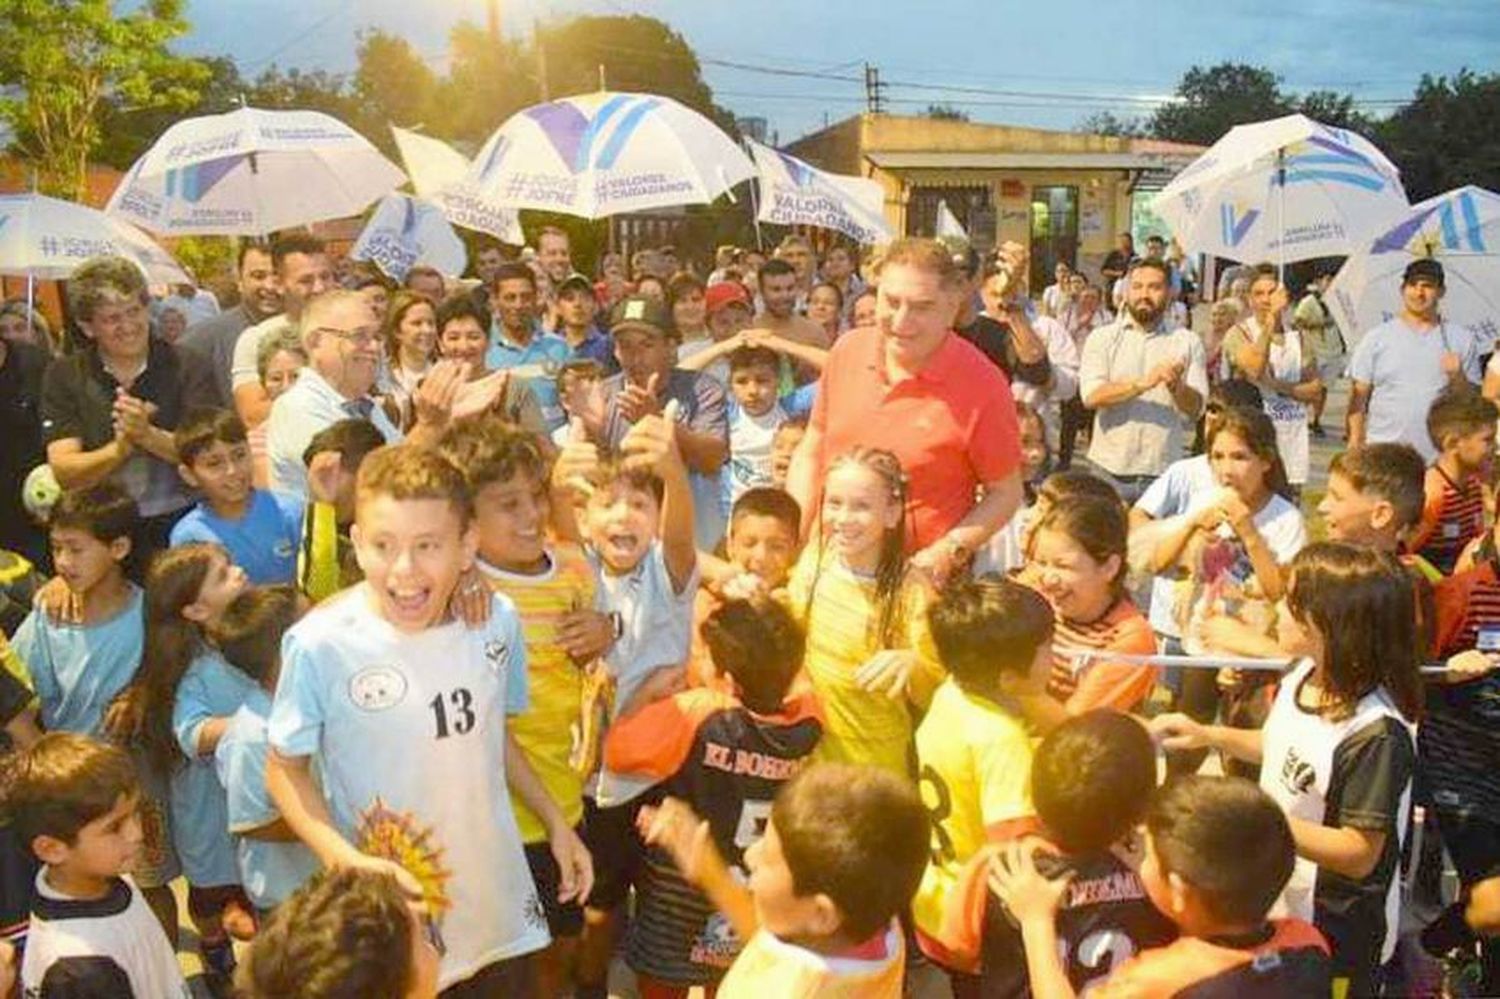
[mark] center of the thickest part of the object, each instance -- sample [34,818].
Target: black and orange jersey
[727,762]
[1458,742]
[1286,958]
[1104,920]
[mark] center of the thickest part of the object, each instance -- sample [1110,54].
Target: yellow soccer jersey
[974,761]
[861,726]
[769,966]
[547,729]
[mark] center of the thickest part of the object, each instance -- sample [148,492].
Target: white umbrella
[249,172]
[437,172]
[406,231]
[602,154]
[1286,189]
[46,238]
[793,192]
[1460,229]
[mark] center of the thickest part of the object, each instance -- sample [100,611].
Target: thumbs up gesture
[638,401]
[577,461]
[651,444]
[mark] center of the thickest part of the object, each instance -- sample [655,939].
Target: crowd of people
[764,629]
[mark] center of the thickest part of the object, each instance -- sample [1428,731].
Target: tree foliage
[66,60]
[945,112]
[1447,136]
[1109,123]
[1212,101]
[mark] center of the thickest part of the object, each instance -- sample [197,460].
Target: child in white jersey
[406,711]
[1338,748]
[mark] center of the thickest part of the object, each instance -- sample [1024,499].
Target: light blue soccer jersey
[263,542]
[408,731]
[77,670]
[269,870]
[211,688]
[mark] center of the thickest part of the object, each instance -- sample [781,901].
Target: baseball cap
[1423,268]
[640,312]
[575,280]
[724,294]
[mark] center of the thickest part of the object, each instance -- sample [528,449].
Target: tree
[1335,109]
[1214,100]
[1446,136]
[488,80]
[636,53]
[1109,123]
[127,132]
[64,59]
[945,112]
[392,85]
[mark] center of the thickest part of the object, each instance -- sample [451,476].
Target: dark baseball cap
[575,280]
[640,312]
[1427,268]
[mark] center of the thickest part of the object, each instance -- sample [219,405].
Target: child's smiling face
[412,552]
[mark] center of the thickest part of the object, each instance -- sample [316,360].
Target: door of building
[1054,232]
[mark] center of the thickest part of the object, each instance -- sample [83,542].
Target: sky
[1041,64]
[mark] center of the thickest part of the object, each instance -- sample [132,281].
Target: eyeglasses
[359,338]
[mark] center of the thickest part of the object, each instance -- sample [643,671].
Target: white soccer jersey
[98,946]
[1353,773]
[409,735]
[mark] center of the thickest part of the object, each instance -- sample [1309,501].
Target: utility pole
[874,90]
[494,21]
[541,57]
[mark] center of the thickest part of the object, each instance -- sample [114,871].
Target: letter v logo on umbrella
[575,135]
[1236,227]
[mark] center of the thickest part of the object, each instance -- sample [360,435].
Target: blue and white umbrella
[793,192]
[250,172]
[1459,229]
[602,154]
[404,232]
[1282,190]
[46,238]
[437,172]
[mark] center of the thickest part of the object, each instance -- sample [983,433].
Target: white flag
[437,172]
[948,226]
[404,232]
[796,193]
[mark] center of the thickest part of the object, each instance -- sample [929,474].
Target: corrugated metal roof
[1024,161]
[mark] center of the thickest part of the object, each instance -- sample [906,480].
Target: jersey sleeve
[318,559]
[190,529]
[1373,767]
[242,771]
[190,708]
[1121,686]
[15,694]
[30,647]
[654,742]
[1362,359]
[929,673]
[1163,497]
[1432,509]
[517,689]
[299,707]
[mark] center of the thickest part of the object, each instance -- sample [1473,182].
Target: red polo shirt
[953,424]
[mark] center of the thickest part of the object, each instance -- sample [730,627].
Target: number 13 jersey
[408,735]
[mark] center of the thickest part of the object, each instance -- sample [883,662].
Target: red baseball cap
[724,294]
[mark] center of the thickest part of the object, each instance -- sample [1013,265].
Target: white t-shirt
[1224,575]
[1172,494]
[656,630]
[98,945]
[243,369]
[750,440]
[408,730]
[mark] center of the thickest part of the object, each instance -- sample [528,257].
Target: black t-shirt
[20,440]
[996,342]
[1105,920]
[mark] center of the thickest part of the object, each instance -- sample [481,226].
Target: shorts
[616,847]
[564,919]
[1474,844]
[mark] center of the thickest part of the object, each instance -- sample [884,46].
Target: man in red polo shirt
[914,387]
